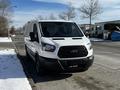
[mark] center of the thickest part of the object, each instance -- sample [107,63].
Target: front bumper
[54,64]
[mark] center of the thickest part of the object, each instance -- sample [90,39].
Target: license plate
[73,66]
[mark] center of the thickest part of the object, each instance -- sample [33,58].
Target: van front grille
[72,51]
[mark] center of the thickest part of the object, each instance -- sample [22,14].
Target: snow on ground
[5,39]
[12,76]
[96,39]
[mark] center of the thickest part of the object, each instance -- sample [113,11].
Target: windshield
[60,29]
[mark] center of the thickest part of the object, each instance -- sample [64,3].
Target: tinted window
[60,29]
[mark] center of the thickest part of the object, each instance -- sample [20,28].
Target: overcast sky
[30,9]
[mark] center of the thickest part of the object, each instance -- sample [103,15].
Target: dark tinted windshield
[60,29]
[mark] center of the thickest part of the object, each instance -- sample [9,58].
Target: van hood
[66,41]
[69,41]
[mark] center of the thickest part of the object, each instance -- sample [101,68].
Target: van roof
[54,21]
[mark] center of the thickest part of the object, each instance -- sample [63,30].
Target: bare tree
[90,9]
[3,26]
[69,14]
[5,13]
[5,8]
[12,30]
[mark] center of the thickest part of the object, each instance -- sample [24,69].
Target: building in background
[104,29]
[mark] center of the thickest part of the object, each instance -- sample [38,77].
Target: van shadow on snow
[10,67]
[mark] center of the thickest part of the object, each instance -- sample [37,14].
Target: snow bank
[96,39]
[5,39]
[12,76]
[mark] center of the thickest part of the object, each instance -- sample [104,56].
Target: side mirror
[32,36]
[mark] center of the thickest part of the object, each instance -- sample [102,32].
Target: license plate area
[73,66]
[71,63]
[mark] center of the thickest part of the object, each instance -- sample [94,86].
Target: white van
[57,45]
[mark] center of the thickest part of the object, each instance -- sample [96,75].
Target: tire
[27,55]
[38,66]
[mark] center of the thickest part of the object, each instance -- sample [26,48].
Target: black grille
[72,51]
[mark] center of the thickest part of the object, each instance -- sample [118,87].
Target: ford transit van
[57,45]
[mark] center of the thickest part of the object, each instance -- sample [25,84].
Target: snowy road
[12,76]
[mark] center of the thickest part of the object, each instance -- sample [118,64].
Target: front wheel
[39,69]
[27,55]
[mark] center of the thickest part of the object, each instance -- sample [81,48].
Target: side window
[35,30]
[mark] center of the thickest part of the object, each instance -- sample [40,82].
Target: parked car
[58,46]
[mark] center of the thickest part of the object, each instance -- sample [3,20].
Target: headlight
[48,47]
[90,46]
